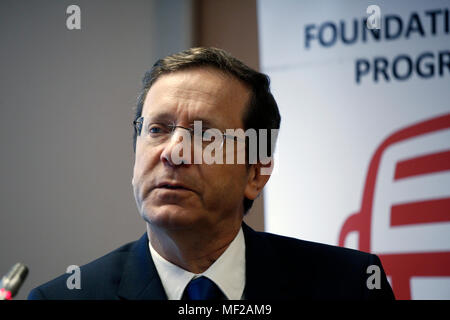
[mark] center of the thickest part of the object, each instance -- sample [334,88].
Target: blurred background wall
[66,105]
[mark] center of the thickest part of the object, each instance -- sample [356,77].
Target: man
[196,245]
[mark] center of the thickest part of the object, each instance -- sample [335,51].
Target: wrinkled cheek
[137,180]
[137,193]
[223,188]
[143,163]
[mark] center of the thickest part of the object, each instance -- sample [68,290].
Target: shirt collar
[227,272]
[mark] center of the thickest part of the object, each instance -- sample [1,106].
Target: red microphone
[12,281]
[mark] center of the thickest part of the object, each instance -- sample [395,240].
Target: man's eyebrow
[169,117]
[161,117]
[205,122]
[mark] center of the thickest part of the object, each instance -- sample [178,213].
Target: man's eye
[156,129]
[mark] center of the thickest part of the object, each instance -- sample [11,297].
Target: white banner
[363,156]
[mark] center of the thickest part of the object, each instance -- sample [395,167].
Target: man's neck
[191,249]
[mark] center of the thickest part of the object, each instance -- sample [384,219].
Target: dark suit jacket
[277,267]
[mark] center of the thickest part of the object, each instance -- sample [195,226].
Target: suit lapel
[260,282]
[270,270]
[265,273]
[140,279]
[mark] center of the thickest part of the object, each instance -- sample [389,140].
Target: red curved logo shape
[402,266]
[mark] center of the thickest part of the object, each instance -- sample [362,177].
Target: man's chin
[170,217]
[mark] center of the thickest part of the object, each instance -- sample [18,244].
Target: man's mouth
[168,186]
[172,186]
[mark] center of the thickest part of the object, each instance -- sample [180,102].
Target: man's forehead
[199,91]
[200,81]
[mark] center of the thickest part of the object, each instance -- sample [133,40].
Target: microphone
[12,281]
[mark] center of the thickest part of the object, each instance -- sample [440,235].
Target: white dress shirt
[227,272]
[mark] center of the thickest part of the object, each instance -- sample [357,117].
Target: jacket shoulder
[333,272]
[97,278]
[302,249]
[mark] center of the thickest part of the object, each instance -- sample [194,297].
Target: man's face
[212,194]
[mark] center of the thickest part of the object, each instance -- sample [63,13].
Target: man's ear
[258,176]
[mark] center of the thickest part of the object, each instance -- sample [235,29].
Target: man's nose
[178,148]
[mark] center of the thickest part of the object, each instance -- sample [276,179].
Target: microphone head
[14,279]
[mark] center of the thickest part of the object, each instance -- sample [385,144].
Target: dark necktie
[202,289]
